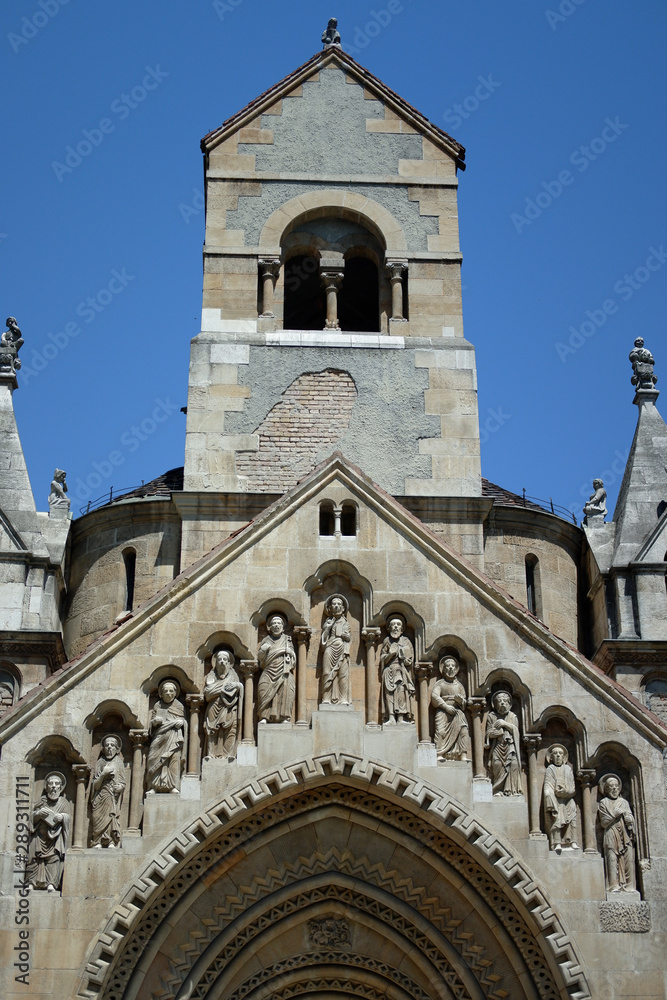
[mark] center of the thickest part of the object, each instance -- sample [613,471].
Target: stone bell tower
[331,314]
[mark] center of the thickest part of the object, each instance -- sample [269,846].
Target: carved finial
[331,35]
[10,344]
[595,508]
[642,366]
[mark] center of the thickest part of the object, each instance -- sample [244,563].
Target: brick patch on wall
[311,417]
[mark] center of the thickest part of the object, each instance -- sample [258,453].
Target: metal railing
[107,498]
[550,507]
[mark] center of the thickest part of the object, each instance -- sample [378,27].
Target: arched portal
[335,875]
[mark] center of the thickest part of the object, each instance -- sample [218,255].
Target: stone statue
[106,794]
[223,693]
[618,840]
[502,740]
[642,366]
[336,637]
[58,495]
[168,731]
[560,810]
[49,835]
[11,342]
[277,659]
[331,35]
[596,505]
[452,739]
[397,657]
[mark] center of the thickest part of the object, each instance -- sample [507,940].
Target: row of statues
[50,828]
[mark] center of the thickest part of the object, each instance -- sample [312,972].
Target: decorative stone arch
[413,620]
[575,729]
[363,878]
[505,677]
[341,568]
[344,204]
[450,643]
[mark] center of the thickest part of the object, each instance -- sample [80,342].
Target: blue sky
[562,211]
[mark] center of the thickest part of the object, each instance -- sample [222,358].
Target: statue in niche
[452,739]
[277,659]
[168,731]
[106,794]
[58,495]
[618,842]
[223,693]
[397,657]
[596,505]
[560,810]
[503,742]
[336,638]
[642,365]
[11,342]
[331,35]
[49,835]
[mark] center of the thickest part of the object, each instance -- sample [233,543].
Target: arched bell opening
[353,878]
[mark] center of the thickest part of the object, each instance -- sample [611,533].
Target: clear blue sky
[558,77]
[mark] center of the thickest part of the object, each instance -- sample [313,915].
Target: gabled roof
[338,57]
[521,621]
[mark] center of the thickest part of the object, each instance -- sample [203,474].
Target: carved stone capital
[587,776]
[396,269]
[80,772]
[248,667]
[371,636]
[331,279]
[477,705]
[302,633]
[194,701]
[269,266]
[139,737]
[532,741]
[423,670]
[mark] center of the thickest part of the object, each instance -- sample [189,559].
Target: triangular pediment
[399,117]
[274,556]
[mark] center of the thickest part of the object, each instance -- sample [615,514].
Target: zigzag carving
[111,960]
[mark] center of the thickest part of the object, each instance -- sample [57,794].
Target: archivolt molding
[397,798]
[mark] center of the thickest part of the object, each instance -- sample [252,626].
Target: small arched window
[9,687]
[327,520]
[130,560]
[533,588]
[358,300]
[305,298]
[348,520]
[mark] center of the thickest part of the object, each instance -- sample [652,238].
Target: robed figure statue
[106,794]
[168,732]
[277,659]
[49,835]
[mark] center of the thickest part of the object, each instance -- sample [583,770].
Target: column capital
[194,701]
[587,776]
[371,636]
[396,269]
[477,705]
[138,737]
[269,265]
[248,667]
[331,278]
[532,741]
[302,633]
[80,771]
[424,669]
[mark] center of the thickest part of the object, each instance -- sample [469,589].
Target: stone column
[587,778]
[337,512]
[302,636]
[248,668]
[269,269]
[532,742]
[81,772]
[195,702]
[139,739]
[396,269]
[371,637]
[477,708]
[423,672]
[332,281]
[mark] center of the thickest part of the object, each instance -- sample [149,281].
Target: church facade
[324,711]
